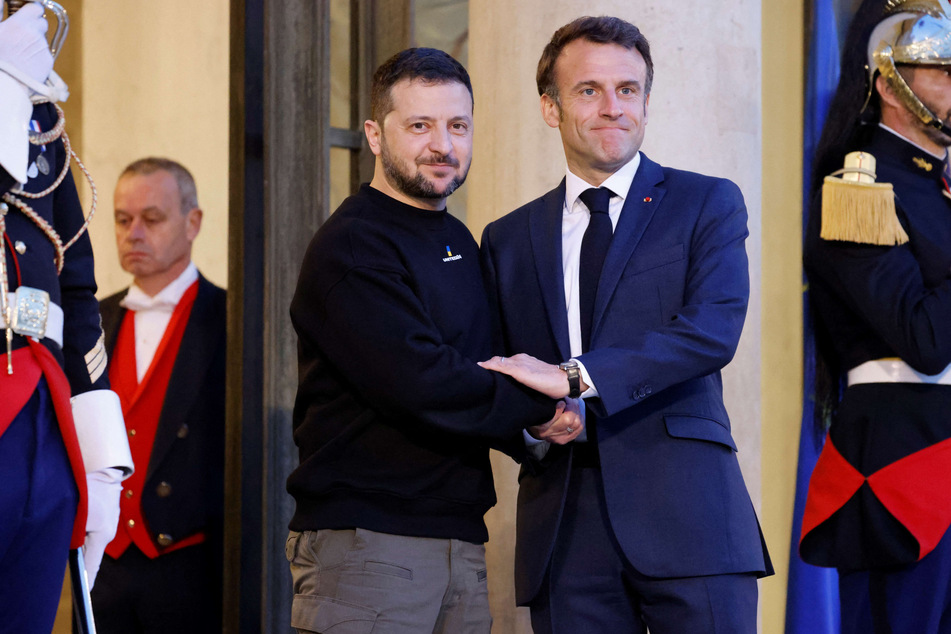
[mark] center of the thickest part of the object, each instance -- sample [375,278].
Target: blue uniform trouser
[913,599]
[38,498]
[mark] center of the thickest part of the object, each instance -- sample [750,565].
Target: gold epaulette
[857,209]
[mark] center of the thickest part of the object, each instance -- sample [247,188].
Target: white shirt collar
[907,140]
[619,182]
[167,298]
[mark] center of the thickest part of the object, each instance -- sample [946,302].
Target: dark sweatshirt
[393,417]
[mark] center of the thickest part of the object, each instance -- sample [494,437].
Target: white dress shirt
[575,218]
[152,315]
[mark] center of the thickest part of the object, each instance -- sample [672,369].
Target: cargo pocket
[330,616]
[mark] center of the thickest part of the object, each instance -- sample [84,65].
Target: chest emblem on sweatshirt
[449,256]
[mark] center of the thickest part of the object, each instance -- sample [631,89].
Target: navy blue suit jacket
[668,314]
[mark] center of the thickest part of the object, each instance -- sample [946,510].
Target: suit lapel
[643,199]
[112,314]
[191,365]
[545,233]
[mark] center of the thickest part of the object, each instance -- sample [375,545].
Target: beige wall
[782,87]
[155,82]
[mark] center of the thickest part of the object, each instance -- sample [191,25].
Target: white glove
[101,432]
[25,63]
[23,45]
[104,488]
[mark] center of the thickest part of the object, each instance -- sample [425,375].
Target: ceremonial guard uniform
[60,426]
[878,258]
[888,311]
[41,373]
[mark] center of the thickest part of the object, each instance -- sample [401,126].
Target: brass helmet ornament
[914,32]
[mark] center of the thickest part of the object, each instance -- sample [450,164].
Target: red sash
[142,407]
[60,393]
[17,388]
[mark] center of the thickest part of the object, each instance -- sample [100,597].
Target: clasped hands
[550,380]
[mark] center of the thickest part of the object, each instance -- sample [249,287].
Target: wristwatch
[573,370]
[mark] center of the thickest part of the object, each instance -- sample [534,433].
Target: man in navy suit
[645,521]
[166,341]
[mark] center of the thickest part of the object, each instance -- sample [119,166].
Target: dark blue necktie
[594,246]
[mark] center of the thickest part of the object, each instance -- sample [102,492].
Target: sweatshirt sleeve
[372,328]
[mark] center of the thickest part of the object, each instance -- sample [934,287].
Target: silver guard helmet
[913,32]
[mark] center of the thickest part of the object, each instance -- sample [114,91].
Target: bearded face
[424,143]
[408,178]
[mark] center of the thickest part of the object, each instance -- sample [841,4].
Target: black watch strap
[573,370]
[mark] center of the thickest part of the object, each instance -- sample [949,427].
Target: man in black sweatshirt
[394,418]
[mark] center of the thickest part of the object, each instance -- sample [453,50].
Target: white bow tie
[139,301]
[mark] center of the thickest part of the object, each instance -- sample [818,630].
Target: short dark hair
[187,191]
[428,65]
[600,30]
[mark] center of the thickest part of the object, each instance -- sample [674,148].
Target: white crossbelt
[895,371]
[54,321]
